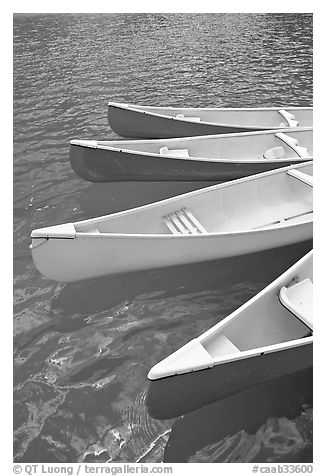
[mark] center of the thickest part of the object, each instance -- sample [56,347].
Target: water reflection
[267,423]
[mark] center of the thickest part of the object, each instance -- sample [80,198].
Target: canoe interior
[239,147]
[272,200]
[264,117]
[265,322]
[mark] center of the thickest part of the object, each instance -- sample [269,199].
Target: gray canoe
[136,121]
[217,158]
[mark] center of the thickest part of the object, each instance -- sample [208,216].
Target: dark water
[83,350]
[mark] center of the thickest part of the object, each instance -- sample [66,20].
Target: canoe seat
[293,143]
[188,118]
[274,153]
[91,229]
[174,152]
[298,300]
[307,179]
[219,346]
[289,117]
[183,222]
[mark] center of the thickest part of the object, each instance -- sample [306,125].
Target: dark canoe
[114,165]
[170,397]
[135,124]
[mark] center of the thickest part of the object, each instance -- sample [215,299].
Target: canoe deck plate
[298,300]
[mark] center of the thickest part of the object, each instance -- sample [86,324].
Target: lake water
[82,351]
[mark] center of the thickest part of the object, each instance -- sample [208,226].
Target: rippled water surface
[83,350]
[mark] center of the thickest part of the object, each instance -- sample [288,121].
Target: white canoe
[267,337]
[276,319]
[218,157]
[243,216]
[136,121]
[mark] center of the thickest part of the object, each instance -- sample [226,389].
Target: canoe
[218,157]
[267,337]
[149,122]
[250,214]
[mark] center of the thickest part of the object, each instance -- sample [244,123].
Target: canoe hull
[139,122]
[100,165]
[85,257]
[139,125]
[174,396]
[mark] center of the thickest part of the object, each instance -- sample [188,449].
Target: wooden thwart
[183,222]
[283,220]
[305,178]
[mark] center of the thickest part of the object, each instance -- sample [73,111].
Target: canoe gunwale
[166,236]
[219,124]
[244,355]
[194,236]
[155,155]
[286,130]
[191,109]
